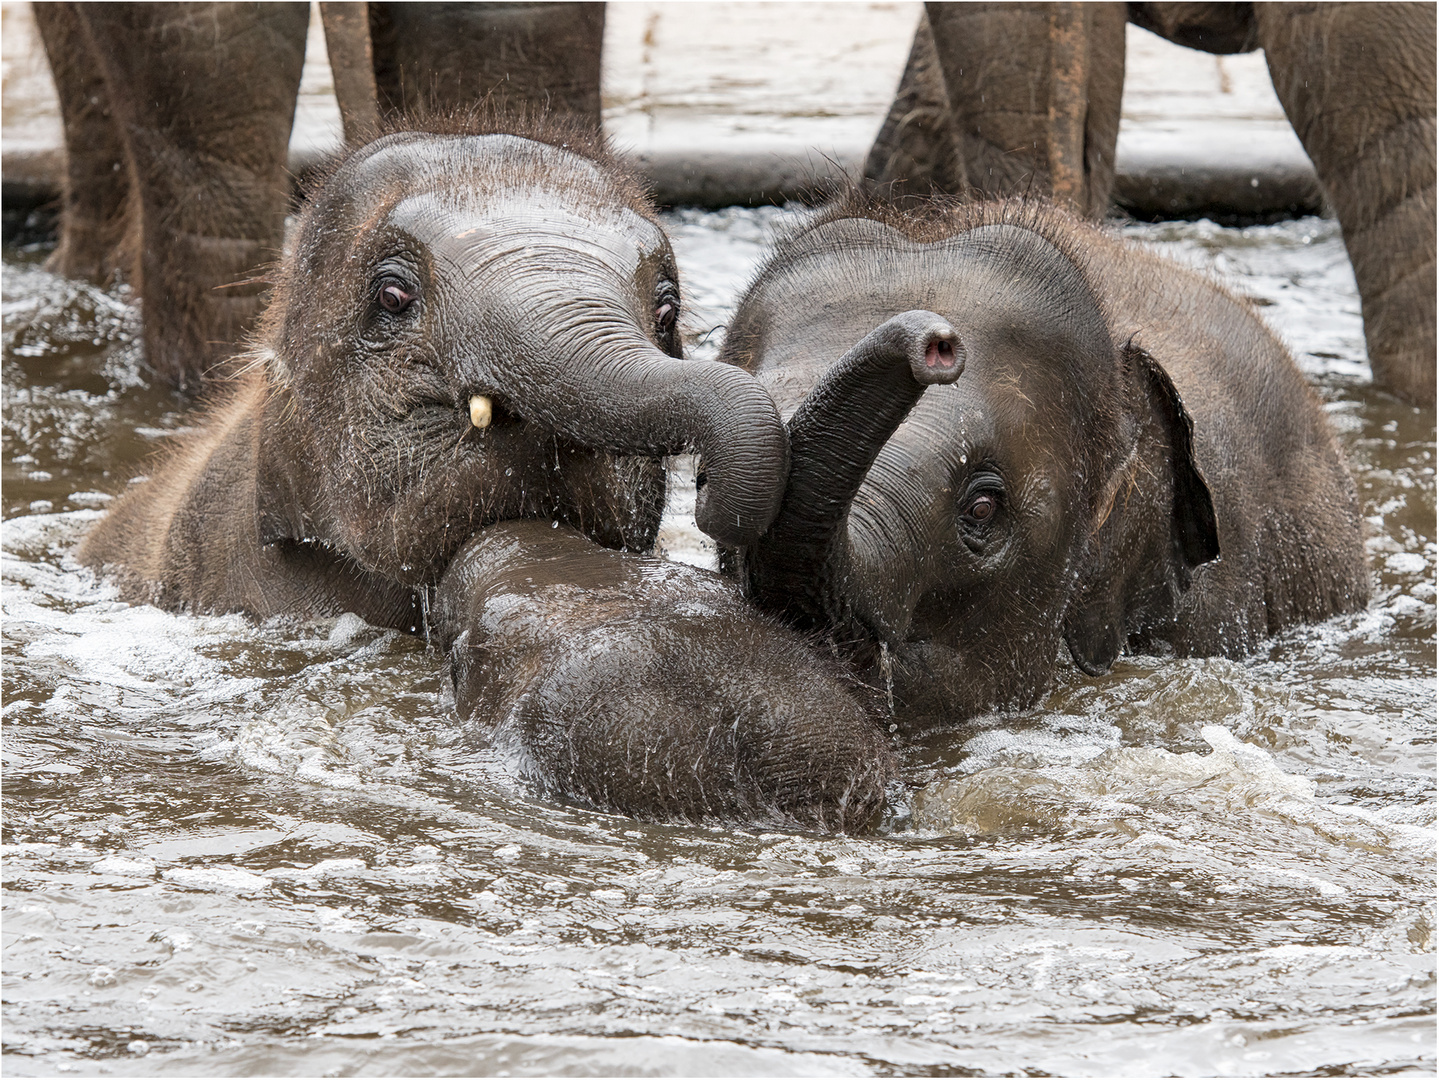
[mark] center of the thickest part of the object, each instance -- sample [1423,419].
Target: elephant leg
[917,151]
[97,171]
[1211,28]
[204,95]
[528,57]
[1357,82]
[352,67]
[1034,94]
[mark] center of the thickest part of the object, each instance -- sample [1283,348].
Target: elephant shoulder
[171,538]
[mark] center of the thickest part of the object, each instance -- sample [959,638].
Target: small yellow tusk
[480,411]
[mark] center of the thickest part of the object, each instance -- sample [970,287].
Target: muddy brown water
[253,849]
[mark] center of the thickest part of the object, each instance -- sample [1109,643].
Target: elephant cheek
[881,590]
[616,499]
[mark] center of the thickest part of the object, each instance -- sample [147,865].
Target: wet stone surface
[238,848]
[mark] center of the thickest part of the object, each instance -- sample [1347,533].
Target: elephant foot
[1399,331]
[201,298]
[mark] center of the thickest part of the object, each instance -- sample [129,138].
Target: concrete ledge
[1226,193]
[1148,190]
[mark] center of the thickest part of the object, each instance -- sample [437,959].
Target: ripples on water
[234,848]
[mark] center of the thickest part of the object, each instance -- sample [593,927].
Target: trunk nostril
[939,354]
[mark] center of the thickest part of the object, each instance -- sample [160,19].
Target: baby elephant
[652,688]
[1132,461]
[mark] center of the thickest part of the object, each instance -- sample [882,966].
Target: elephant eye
[981,508]
[667,307]
[393,297]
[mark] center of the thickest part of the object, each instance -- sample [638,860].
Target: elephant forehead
[997,284]
[536,224]
[481,174]
[416,158]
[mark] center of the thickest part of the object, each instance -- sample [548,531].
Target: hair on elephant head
[1121,423]
[469,324]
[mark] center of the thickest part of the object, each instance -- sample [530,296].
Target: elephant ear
[1096,624]
[1196,530]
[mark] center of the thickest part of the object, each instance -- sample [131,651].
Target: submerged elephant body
[1131,459]
[651,687]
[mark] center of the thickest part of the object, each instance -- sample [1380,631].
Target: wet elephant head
[1004,516]
[471,328]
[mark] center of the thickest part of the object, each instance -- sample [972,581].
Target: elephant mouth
[479,414]
[937,682]
[927,678]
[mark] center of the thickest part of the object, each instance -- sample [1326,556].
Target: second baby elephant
[652,688]
[1131,460]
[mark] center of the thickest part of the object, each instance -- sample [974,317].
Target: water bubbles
[102,977]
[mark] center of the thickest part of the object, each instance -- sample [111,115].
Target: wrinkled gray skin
[1131,461]
[1003,99]
[177,126]
[343,472]
[650,688]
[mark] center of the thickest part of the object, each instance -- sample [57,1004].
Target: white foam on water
[217,878]
[1232,816]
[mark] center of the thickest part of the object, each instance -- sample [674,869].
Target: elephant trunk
[602,383]
[834,438]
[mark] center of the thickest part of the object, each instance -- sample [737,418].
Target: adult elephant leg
[1357,83]
[97,172]
[1034,93]
[204,95]
[527,57]
[917,149]
[352,67]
